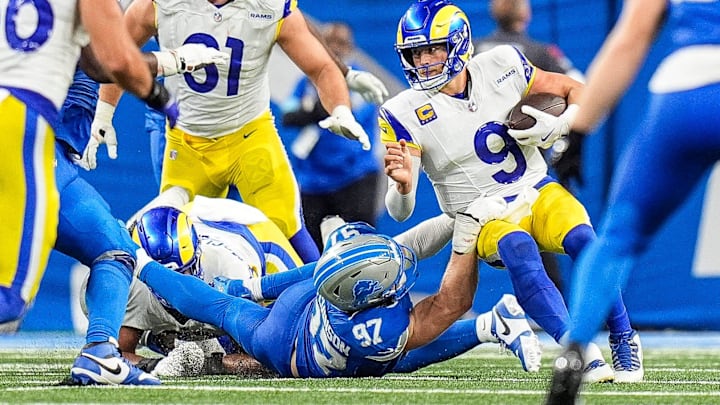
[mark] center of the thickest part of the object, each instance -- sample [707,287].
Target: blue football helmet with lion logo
[364,271]
[433,22]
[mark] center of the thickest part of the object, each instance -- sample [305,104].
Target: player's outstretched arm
[429,236]
[113,46]
[619,60]
[434,314]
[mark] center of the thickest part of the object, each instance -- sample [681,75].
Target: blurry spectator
[512,18]
[336,177]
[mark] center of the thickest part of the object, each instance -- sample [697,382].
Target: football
[546,102]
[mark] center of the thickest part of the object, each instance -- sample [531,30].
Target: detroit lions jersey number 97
[366,343]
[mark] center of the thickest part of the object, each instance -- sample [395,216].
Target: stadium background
[674,286]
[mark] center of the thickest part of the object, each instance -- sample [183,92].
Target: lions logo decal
[365,288]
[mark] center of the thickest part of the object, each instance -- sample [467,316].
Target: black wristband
[158,97]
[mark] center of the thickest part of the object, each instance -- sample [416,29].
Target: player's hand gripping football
[547,129]
[342,122]
[101,132]
[368,85]
[188,58]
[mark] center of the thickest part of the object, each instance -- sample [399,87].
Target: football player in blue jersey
[685,100]
[88,232]
[351,315]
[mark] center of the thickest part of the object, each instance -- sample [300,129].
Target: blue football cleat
[627,357]
[101,363]
[513,331]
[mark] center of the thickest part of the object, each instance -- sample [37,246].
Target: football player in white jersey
[209,237]
[452,124]
[38,56]
[226,135]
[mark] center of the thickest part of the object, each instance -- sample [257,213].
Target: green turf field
[482,376]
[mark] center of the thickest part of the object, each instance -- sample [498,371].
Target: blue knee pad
[576,240]
[519,252]
[12,306]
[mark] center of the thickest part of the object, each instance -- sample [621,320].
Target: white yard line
[379,390]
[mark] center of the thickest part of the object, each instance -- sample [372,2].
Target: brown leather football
[546,102]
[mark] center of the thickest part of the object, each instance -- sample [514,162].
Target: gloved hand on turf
[101,132]
[469,223]
[342,122]
[547,127]
[368,85]
[185,360]
[188,58]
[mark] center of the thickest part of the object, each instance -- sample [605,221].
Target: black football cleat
[567,376]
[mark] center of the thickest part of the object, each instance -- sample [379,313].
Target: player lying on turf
[350,314]
[225,238]
[228,238]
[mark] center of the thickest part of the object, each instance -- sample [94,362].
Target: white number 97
[362,332]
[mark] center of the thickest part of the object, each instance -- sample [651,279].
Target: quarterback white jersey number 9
[494,145]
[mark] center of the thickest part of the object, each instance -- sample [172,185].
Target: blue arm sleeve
[274,284]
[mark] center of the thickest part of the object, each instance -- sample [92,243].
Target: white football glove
[547,129]
[188,58]
[101,132]
[469,223]
[521,206]
[342,122]
[368,85]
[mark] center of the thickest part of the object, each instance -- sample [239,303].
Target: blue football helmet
[168,236]
[433,22]
[347,231]
[365,271]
